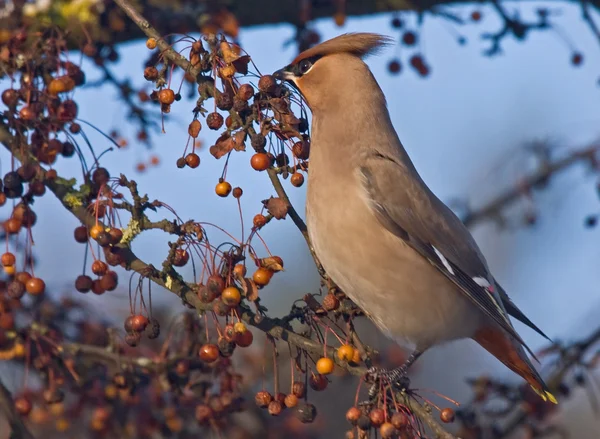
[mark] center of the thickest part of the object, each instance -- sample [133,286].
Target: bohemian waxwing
[380,233]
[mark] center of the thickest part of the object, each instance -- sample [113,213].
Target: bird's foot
[395,379]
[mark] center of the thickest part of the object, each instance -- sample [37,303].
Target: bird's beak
[283,75]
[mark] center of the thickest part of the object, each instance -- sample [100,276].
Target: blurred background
[470,126]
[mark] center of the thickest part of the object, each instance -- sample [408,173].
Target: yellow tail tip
[545,395]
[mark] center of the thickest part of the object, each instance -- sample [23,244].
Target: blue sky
[465,128]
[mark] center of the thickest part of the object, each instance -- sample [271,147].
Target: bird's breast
[398,289]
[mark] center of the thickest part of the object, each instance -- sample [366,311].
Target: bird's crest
[358,44]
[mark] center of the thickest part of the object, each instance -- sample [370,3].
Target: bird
[381,235]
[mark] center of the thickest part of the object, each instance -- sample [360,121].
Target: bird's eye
[304,66]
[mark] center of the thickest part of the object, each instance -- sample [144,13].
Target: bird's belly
[404,295]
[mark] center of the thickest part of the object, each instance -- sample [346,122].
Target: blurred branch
[493,210]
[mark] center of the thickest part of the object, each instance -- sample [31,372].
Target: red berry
[209,353]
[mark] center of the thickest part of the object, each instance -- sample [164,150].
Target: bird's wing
[514,311]
[408,209]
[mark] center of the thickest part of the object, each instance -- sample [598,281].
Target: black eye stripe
[303,66]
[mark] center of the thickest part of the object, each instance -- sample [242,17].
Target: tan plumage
[390,244]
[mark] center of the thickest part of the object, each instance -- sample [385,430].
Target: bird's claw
[396,378]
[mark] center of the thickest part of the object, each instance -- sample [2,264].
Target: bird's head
[323,73]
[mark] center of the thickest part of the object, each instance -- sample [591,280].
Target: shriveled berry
[224,101]
[275,408]
[194,128]
[166,96]
[258,141]
[214,121]
[15,289]
[266,83]
[291,401]
[306,413]
[263,399]
[245,92]
[100,176]
[330,302]
[299,389]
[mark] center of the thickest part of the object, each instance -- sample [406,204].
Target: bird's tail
[511,353]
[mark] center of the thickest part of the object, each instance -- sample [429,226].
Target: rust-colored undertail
[509,352]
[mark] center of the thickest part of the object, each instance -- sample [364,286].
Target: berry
[259,221]
[139,323]
[275,408]
[299,389]
[318,382]
[409,38]
[8,259]
[399,421]
[306,413]
[209,353]
[353,414]
[297,179]
[245,92]
[214,121]
[35,286]
[231,296]
[475,15]
[244,339]
[377,417]
[266,83]
[330,302]
[262,276]
[223,189]
[291,401]
[151,43]
[83,283]
[10,97]
[263,399]
[81,234]
[387,430]
[394,66]
[260,161]
[12,225]
[166,96]
[203,414]
[325,366]
[96,230]
[345,352]
[397,23]
[237,192]
[99,268]
[192,160]
[109,281]
[181,257]
[23,405]
[447,415]
[15,289]
[576,59]
[240,327]
[194,128]
[150,73]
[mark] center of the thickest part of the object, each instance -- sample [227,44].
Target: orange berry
[387,430]
[240,327]
[166,96]
[325,366]
[291,401]
[260,161]
[151,43]
[447,415]
[10,269]
[223,189]
[239,270]
[209,353]
[96,230]
[35,286]
[345,352]
[231,296]
[262,276]
[297,179]
[12,225]
[259,220]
